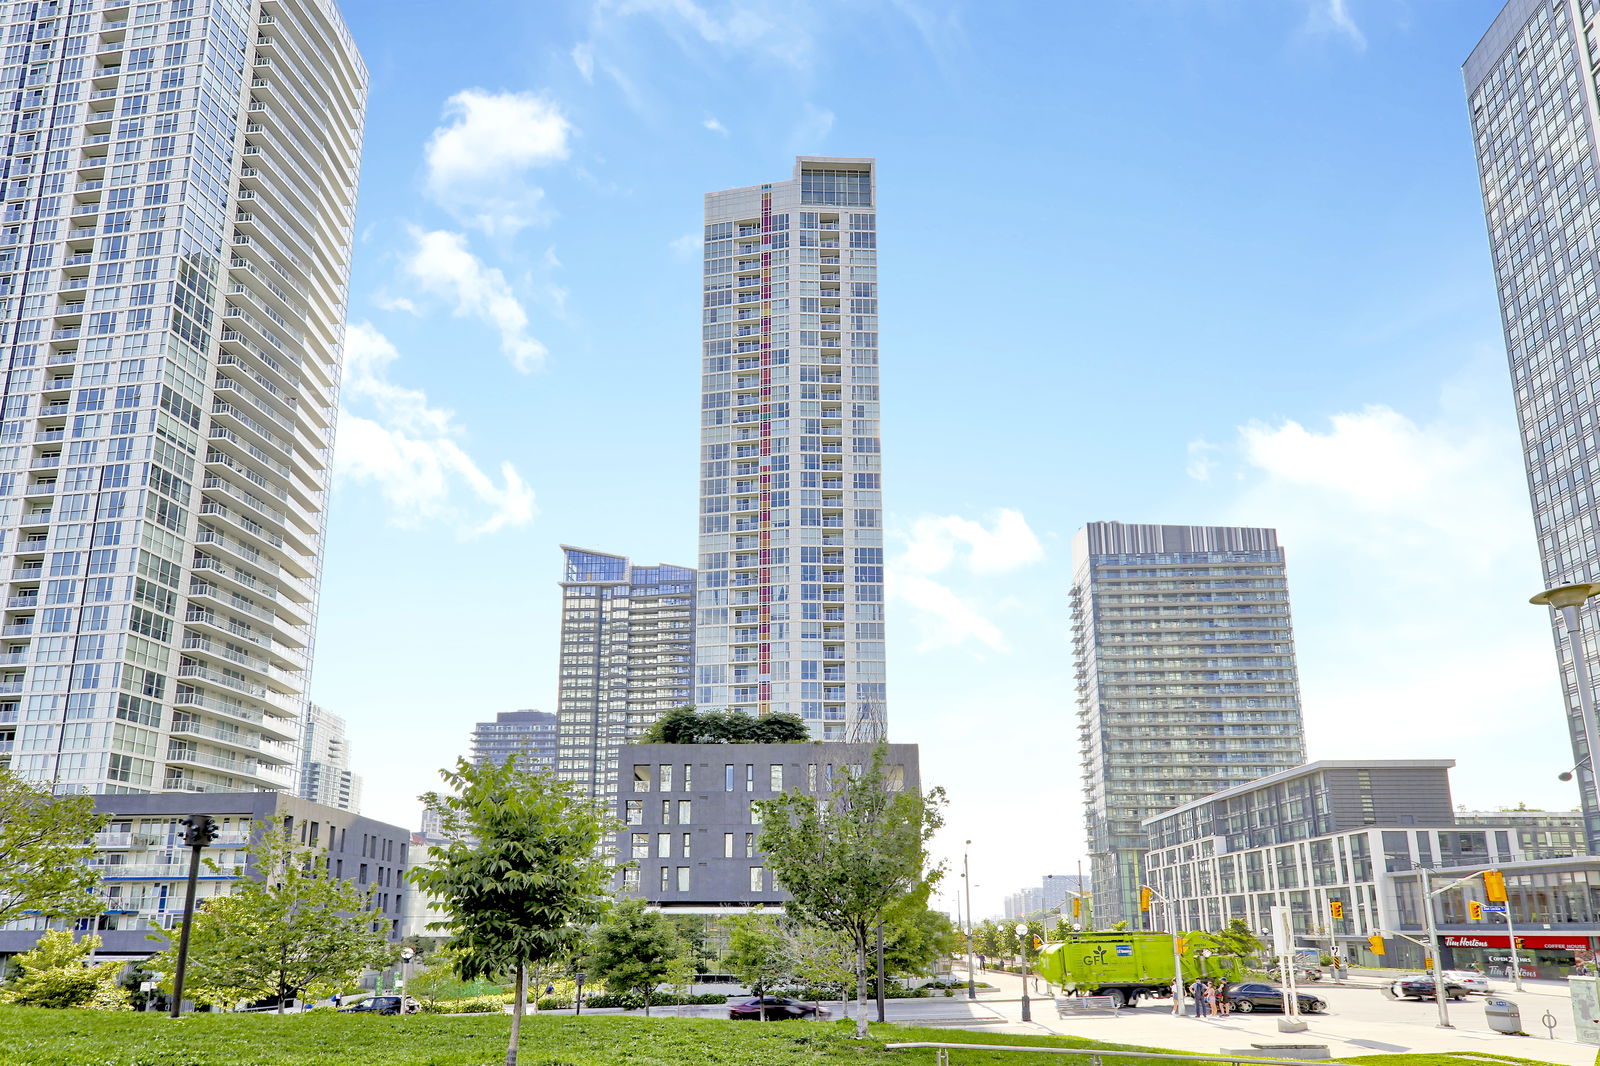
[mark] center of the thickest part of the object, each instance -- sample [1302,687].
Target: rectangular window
[663,845]
[683,879]
[685,843]
[666,812]
[688,777]
[666,879]
[641,777]
[640,845]
[755,813]
[727,777]
[685,815]
[727,845]
[749,845]
[635,812]
[749,777]
[757,878]
[664,777]
[630,878]
[811,777]
[775,777]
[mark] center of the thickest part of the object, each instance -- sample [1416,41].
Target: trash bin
[1502,1014]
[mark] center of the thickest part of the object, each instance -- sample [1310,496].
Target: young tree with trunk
[522,878]
[635,950]
[847,856]
[760,954]
[45,847]
[297,932]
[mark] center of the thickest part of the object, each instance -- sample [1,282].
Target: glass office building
[627,655]
[1186,681]
[790,606]
[1535,122]
[179,182]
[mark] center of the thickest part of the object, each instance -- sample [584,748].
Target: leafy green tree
[822,958]
[523,875]
[298,931]
[57,973]
[45,848]
[847,856]
[1236,940]
[914,941]
[759,953]
[634,950]
[685,725]
[695,932]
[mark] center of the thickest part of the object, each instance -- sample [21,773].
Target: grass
[33,1037]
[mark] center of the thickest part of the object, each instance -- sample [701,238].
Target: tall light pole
[966,876]
[1177,954]
[1567,599]
[1022,939]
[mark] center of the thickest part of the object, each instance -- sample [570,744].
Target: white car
[1471,980]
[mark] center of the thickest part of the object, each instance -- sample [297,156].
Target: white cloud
[959,549]
[583,59]
[445,267]
[396,303]
[408,450]
[715,126]
[477,162]
[1333,17]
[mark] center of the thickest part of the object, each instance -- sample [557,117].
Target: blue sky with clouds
[1158,260]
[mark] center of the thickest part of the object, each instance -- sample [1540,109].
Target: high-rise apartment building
[1536,126]
[325,775]
[790,614]
[529,735]
[1186,680]
[627,656]
[179,183]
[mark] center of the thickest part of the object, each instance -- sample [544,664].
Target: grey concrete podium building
[143,864]
[179,185]
[688,841]
[1535,113]
[1186,680]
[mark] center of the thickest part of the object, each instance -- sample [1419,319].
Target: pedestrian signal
[1474,910]
[1336,909]
[1375,943]
[1494,886]
[1145,895]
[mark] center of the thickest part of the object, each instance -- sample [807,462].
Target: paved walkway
[1361,1021]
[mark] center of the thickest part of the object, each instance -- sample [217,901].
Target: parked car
[1420,986]
[1247,996]
[1307,973]
[1471,980]
[774,1008]
[380,1005]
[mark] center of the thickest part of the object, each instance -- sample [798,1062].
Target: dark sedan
[774,1008]
[377,1005]
[1247,996]
[1421,987]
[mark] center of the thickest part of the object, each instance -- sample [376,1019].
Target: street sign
[1495,908]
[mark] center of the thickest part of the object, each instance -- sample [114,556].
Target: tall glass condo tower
[790,601]
[1536,126]
[179,182]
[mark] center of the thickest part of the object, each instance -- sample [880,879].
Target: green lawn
[32,1037]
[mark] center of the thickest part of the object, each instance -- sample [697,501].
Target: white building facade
[179,190]
[325,775]
[790,601]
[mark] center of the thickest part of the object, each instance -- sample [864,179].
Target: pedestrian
[1198,990]
[336,1001]
[1211,998]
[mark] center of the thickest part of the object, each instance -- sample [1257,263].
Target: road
[1360,1020]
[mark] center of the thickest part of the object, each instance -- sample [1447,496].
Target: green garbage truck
[1126,965]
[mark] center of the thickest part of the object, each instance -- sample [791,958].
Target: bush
[657,999]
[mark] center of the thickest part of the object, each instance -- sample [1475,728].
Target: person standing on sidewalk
[1198,990]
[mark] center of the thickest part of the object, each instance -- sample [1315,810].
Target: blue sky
[1157,260]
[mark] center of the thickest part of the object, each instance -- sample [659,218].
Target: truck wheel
[1119,998]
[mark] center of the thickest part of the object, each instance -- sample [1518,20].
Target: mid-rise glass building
[1531,87]
[529,735]
[1186,681]
[177,186]
[627,656]
[325,774]
[790,606]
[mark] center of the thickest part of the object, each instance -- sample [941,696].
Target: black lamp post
[577,1000]
[199,830]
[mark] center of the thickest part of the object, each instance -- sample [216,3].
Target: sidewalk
[1347,1033]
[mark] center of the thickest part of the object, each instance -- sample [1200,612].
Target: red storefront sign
[1549,943]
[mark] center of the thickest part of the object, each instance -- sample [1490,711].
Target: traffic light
[1336,910]
[1077,906]
[1474,910]
[1375,943]
[1146,894]
[1183,945]
[199,830]
[1037,943]
[1494,886]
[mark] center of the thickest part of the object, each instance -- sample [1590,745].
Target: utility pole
[966,876]
[1433,947]
[199,830]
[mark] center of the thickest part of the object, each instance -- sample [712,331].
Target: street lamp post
[1177,955]
[405,977]
[1022,939]
[1567,599]
[199,830]
[966,876]
[577,998]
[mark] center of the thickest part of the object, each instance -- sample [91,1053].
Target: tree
[847,856]
[1236,939]
[915,940]
[45,848]
[635,950]
[523,875]
[298,931]
[759,953]
[57,973]
[685,725]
